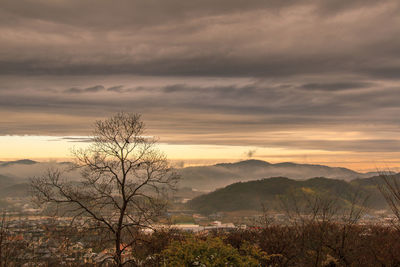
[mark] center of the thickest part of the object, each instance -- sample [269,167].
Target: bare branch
[123,177]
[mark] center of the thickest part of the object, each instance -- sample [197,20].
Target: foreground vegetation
[316,241]
[325,244]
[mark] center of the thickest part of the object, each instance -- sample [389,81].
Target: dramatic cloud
[201,38]
[317,75]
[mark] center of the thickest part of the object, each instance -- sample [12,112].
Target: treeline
[272,191]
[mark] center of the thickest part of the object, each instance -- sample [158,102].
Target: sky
[306,81]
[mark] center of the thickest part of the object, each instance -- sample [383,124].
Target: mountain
[6,181]
[208,178]
[253,195]
[22,170]
[16,162]
[15,190]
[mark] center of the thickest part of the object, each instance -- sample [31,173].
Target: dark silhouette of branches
[123,185]
[390,189]
[321,225]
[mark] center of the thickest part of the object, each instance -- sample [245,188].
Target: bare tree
[123,182]
[310,216]
[390,189]
[324,225]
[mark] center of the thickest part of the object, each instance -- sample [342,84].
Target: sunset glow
[306,81]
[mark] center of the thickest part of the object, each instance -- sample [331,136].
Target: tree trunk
[118,252]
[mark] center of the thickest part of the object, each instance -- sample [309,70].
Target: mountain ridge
[211,177]
[15,162]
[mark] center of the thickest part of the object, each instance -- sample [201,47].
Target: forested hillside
[271,192]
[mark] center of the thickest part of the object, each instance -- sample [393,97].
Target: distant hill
[216,176]
[15,190]
[6,181]
[21,162]
[22,170]
[253,194]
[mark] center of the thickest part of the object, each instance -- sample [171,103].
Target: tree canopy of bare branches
[122,186]
[390,189]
